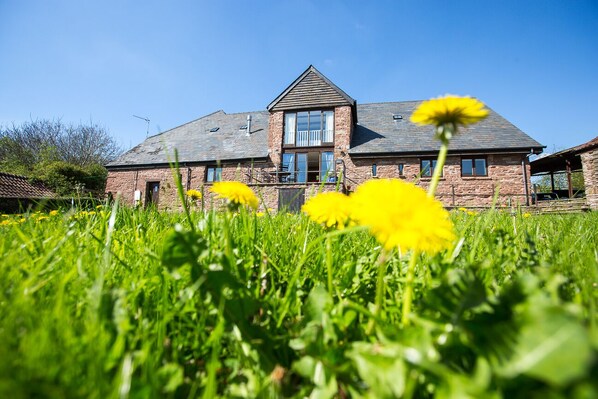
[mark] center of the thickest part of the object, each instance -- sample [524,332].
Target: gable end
[310,90]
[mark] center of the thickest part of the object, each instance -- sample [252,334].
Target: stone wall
[343,130]
[505,173]
[275,134]
[589,163]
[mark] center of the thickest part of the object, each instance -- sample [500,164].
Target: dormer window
[308,128]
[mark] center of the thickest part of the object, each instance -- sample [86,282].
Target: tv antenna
[147,121]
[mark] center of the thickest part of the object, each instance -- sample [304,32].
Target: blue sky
[534,62]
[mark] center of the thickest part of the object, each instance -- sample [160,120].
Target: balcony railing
[292,177]
[307,138]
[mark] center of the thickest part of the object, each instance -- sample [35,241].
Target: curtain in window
[327,167]
[328,128]
[289,128]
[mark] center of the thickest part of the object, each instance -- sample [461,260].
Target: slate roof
[196,143]
[14,186]
[378,133]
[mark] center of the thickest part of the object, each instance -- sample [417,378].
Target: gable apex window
[308,128]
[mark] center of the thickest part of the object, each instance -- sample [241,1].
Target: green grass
[146,304]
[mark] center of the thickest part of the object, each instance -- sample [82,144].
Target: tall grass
[143,306]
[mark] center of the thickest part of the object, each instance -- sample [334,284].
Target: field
[125,303]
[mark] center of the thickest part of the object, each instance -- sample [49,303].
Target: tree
[65,157]
[40,140]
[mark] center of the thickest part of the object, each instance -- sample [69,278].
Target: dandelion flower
[449,110]
[5,223]
[463,209]
[330,209]
[194,194]
[236,193]
[400,214]
[527,214]
[53,212]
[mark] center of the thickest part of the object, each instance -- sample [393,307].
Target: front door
[152,193]
[291,199]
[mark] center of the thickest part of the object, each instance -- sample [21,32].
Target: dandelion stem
[438,168]
[408,296]
[329,262]
[380,292]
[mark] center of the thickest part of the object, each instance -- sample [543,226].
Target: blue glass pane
[302,118]
[426,168]
[466,167]
[315,120]
[301,168]
[480,167]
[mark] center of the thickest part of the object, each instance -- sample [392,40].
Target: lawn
[125,303]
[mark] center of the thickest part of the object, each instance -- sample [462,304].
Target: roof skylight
[214,129]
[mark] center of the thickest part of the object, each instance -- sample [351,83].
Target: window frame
[322,118]
[217,177]
[433,162]
[309,150]
[473,158]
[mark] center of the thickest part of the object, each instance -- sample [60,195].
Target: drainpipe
[525,182]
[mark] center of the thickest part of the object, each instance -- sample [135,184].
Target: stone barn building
[314,137]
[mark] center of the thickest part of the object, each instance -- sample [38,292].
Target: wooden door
[291,199]
[152,193]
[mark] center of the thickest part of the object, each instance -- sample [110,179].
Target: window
[401,169]
[474,167]
[304,167]
[213,173]
[427,167]
[308,128]
[374,170]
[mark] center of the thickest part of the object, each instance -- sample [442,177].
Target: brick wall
[275,133]
[343,130]
[589,163]
[504,172]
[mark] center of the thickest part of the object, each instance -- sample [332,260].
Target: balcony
[309,138]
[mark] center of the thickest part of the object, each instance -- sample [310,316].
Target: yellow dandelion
[194,194]
[472,213]
[53,212]
[259,214]
[330,209]
[449,110]
[40,218]
[236,193]
[463,209]
[399,214]
[527,214]
[22,220]
[5,223]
